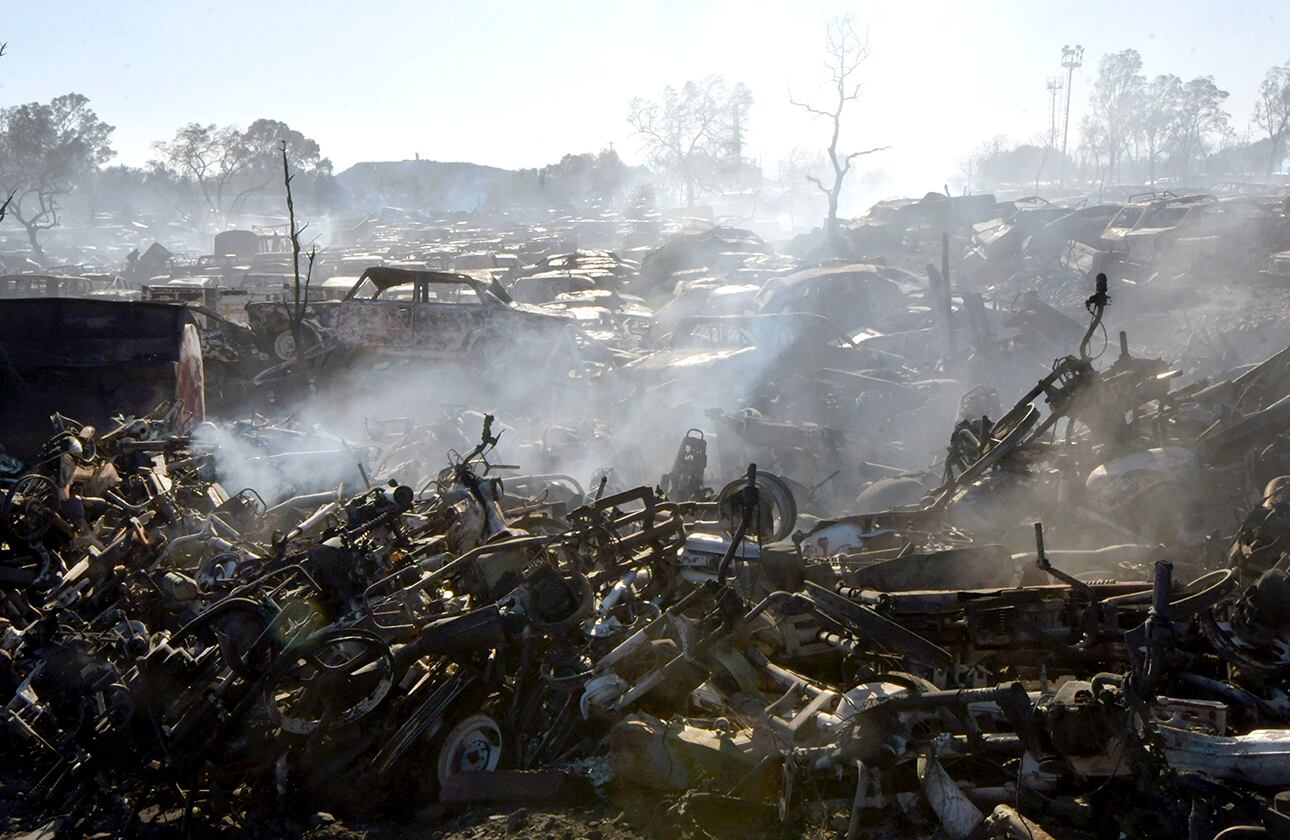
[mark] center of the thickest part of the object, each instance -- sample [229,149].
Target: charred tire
[284,343]
[341,676]
[779,509]
[248,661]
[561,602]
[30,507]
[491,351]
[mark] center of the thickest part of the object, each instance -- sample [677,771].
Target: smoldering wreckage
[1060,610]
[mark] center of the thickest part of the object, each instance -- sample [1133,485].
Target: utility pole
[1054,87]
[1072,57]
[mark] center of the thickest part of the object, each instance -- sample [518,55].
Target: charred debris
[770,540]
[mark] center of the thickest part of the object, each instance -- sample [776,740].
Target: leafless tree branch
[844,53]
[806,106]
[300,292]
[687,131]
[867,152]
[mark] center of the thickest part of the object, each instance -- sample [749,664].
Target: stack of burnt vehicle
[1081,628]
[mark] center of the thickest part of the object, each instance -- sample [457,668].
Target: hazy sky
[520,83]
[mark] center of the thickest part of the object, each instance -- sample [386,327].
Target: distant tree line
[599,179]
[55,156]
[227,167]
[1140,130]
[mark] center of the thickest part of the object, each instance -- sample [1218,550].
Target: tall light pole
[1072,57]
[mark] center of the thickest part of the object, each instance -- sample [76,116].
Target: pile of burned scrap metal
[174,652]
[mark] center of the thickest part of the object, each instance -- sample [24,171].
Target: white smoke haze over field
[637,434]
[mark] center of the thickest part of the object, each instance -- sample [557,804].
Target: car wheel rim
[284,346]
[473,746]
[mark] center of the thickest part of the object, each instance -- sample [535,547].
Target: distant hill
[576,180]
[426,184]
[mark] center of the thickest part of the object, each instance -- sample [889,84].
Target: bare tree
[690,133]
[844,53]
[1272,110]
[300,291]
[230,165]
[4,208]
[211,156]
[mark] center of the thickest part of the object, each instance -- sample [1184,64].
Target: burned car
[440,315]
[44,285]
[579,271]
[206,291]
[849,295]
[750,354]
[270,321]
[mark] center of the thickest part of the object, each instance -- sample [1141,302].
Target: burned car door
[447,316]
[375,323]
